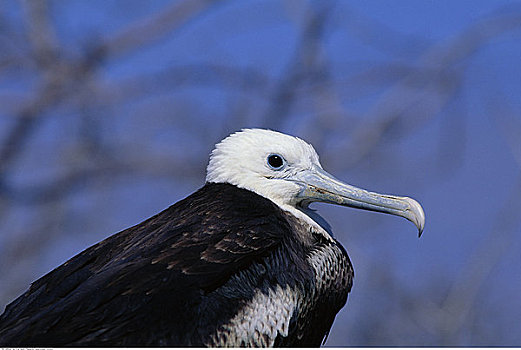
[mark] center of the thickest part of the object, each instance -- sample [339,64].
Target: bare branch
[79,178]
[430,88]
[300,67]
[244,80]
[148,30]
[40,32]
[43,40]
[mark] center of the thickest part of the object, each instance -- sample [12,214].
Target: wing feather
[132,287]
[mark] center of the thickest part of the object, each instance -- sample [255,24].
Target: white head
[286,170]
[243,159]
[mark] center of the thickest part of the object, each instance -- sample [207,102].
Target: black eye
[275,161]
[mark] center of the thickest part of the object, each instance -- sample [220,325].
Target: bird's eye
[275,161]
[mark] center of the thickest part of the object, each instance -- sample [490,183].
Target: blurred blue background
[109,109]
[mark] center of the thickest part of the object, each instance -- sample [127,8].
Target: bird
[243,261]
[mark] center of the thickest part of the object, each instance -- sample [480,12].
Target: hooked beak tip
[416,215]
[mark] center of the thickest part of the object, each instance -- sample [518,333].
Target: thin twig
[152,28]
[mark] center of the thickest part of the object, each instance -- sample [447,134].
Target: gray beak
[319,186]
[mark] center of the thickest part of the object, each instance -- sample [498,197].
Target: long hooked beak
[319,186]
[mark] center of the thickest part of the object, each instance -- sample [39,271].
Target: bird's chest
[332,280]
[297,313]
[333,272]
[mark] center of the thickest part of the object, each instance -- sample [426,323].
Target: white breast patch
[260,321]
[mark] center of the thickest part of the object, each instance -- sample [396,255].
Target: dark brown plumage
[178,278]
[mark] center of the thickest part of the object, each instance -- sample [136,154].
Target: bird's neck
[316,222]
